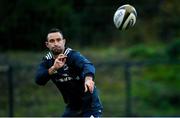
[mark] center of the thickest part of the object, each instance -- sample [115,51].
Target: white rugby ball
[125,17]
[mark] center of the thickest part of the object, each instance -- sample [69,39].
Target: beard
[57,50]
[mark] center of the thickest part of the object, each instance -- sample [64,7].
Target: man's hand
[58,63]
[89,84]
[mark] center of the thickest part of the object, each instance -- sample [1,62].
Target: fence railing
[8,70]
[127,65]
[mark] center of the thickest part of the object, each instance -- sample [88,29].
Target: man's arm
[42,74]
[88,70]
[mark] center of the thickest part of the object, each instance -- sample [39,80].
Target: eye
[58,39]
[51,40]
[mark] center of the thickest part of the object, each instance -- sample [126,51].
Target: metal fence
[9,71]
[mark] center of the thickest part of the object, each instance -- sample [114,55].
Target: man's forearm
[52,70]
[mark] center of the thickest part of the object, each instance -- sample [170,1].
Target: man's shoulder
[48,56]
[68,51]
[71,53]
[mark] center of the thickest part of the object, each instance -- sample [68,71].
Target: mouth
[57,50]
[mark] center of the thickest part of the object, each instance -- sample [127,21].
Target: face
[55,42]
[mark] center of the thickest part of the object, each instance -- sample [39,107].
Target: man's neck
[55,56]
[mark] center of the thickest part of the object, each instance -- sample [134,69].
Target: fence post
[10,91]
[127,76]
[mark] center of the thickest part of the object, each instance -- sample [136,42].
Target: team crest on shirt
[65,76]
[65,67]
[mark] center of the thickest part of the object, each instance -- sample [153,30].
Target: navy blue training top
[70,79]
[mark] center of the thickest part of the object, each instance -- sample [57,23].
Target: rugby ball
[125,17]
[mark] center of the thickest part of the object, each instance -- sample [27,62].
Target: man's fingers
[90,89]
[89,86]
[64,60]
[86,89]
[60,61]
[62,56]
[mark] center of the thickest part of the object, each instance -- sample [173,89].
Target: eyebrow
[56,38]
[60,35]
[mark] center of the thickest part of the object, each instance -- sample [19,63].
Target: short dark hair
[52,30]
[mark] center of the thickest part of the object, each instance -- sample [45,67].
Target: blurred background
[137,70]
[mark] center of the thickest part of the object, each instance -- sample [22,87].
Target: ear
[64,41]
[46,43]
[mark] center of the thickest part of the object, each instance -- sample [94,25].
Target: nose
[56,43]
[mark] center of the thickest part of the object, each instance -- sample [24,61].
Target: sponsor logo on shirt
[65,79]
